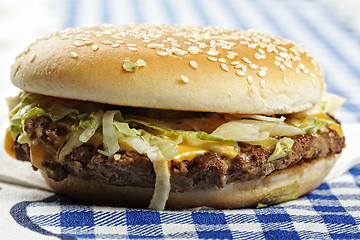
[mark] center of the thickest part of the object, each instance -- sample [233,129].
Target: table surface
[330,30]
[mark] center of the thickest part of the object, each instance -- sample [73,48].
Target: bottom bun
[279,186]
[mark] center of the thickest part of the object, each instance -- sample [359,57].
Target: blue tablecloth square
[281,234]
[329,209]
[271,218]
[208,218]
[77,219]
[338,219]
[142,217]
[224,234]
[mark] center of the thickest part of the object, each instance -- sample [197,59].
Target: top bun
[187,68]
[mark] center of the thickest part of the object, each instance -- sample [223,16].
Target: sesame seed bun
[277,187]
[187,68]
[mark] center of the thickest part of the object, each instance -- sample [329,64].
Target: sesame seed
[284,55]
[184,79]
[202,45]
[235,63]
[240,73]
[115,45]
[78,44]
[240,65]
[213,52]
[232,53]
[297,70]
[250,79]
[179,52]
[282,48]
[253,66]
[301,66]
[226,47]
[161,53]
[262,83]
[285,80]
[74,55]
[222,60]
[194,64]
[279,58]
[133,49]
[261,73]
[155,45]
[282,67]
[120,41]
[131,45]
[106,42]
[187,43]
[194,49]
[253,88]
[257,55]
[264,68]
[246,60]
[261,51]
[213,59]
[32,57]
[288,63]
[224,67]
[88,42]
[95,47]
[277,63]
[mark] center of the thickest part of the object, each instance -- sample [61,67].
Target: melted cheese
[37,155]
[9,143]
[333,126]
[187,151]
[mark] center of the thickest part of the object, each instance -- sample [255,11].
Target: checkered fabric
[332,211]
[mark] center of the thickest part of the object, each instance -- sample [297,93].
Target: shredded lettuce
[167,148]
[254,130]
[282,148]
[59,113]
[86,120]
[110,139]
[330,103]
[16,115]
[162,185]
[23,138]
[91,129]
[194,134]
[73,143]
[124,128]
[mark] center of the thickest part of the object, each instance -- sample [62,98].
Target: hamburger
[173,117]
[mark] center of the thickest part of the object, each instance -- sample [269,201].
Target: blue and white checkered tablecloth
[329,29]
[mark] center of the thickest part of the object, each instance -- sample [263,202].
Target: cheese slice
[9,143]
[334,126]
[37,155]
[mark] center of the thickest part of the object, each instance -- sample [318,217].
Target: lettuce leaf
[282,148]
[110,138]
[193,134]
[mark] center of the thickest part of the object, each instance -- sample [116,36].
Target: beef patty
[133,169]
